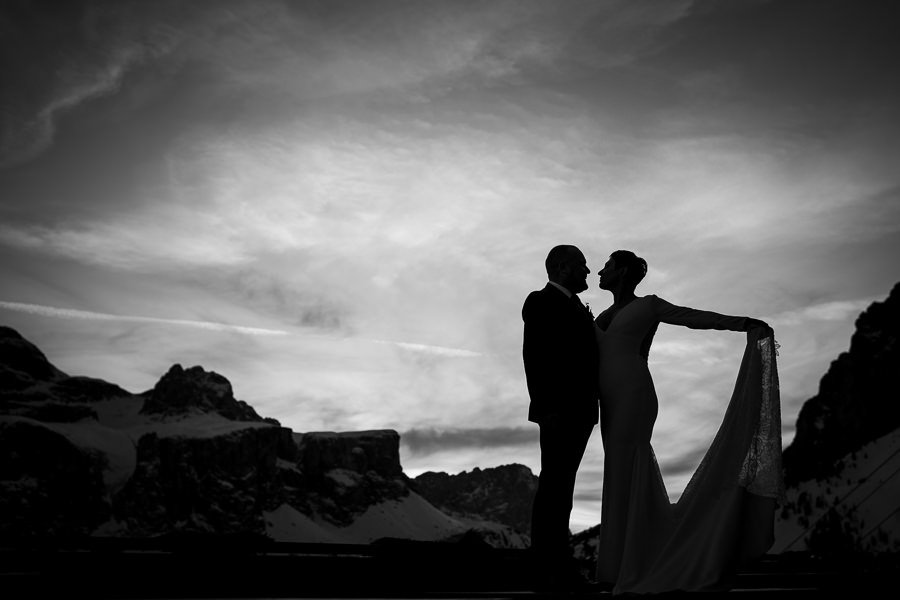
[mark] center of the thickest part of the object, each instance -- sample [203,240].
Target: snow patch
[411,517]
[343,477]
[865,489]
[287,524]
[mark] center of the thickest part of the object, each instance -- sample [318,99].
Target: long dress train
[725,516]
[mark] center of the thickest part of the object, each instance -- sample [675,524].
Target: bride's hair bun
[637,266]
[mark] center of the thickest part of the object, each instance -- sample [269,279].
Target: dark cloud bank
[427,440]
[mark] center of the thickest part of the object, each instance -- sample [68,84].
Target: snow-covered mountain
[855,510]
[84,457]
[843,467]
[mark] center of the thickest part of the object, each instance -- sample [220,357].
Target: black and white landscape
[83,457]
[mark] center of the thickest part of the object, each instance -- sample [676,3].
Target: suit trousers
[563,443]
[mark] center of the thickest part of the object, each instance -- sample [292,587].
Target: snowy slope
[859,507]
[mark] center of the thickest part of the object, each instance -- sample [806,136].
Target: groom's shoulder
[541,295]
[540,298]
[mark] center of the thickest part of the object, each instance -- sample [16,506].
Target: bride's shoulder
[654,301]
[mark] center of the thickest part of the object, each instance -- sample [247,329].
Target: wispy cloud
[69,313]
[824,311]
[436,350]
[92,65]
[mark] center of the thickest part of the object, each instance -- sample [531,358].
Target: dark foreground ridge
[240,567]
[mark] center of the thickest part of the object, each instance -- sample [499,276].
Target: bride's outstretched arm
[666,312]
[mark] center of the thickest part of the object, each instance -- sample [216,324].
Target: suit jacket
[559,351]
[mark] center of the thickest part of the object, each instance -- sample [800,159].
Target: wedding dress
[725,516]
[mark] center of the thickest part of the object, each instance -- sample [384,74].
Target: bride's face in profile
[609,275]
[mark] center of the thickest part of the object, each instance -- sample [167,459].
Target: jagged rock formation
[31,386]
[360,452]
[855,403]
[503,494]
[180,391]
[841,468]
[21,363]
[346,471]
[218,484]
[84,457]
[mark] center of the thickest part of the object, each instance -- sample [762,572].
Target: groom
[559,351]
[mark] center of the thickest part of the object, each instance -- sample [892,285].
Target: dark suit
[559,351]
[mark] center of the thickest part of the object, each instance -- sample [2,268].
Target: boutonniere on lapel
[587,307]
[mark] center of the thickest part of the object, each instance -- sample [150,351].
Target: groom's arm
[541,354]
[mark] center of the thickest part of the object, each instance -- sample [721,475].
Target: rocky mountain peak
[503,494]
[182,391]
[30,386]
[854,404]
[22,363]
[116,471]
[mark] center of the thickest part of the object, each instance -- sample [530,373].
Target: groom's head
[567,266]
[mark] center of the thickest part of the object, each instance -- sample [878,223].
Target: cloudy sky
[341,205]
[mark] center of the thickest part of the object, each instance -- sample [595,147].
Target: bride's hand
[754,324]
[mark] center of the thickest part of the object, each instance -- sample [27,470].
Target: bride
[725,516]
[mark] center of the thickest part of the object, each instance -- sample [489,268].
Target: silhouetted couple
[581,371]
